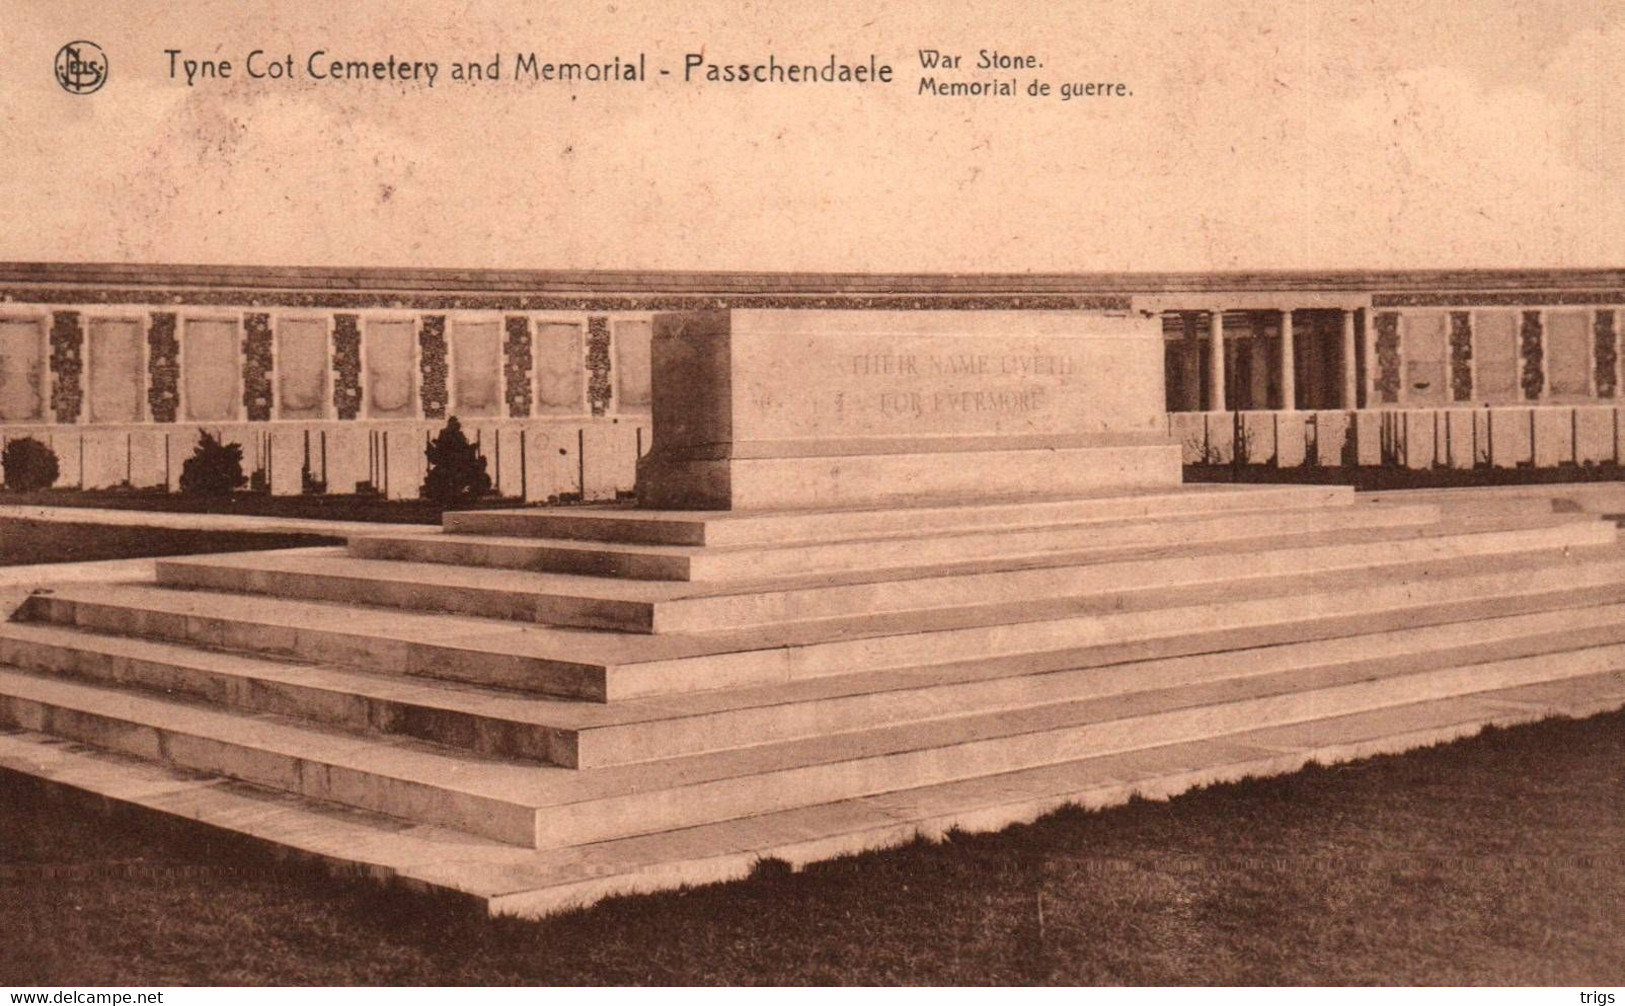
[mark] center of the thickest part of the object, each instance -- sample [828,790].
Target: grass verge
[27,542]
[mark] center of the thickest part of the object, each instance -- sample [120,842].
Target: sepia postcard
[500,493]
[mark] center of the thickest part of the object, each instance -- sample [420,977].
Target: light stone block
[105,458]
[146,459]
[1257,445]
[550,461]
[507,461]
[609,459]
[1511,440]
[347,458]
[1369,427]
[403,472]
[1419,431]
[1459,430]
[1332,430]
[891,406]
[1554,437]
[287,462]
[1594,434]
[1291,439]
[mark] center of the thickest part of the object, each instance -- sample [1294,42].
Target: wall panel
[115,363]
[22,370]
[211,367]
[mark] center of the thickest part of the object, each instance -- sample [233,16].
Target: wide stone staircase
[539,708]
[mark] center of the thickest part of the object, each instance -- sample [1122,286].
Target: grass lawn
[1499,859]
[26,542]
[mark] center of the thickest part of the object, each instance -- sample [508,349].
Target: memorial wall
[332,378]
[326,400]
[117,367]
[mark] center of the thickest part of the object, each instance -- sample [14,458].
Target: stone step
[729,850]
[549,807]
[584,735]
[508,880]
[612,666]
[754,562]
[629,525]
[490,722]
[650,730]
[658,607]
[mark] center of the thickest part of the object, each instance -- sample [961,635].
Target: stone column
[1350,372]
[1364,336]
[1289,376]
[1190,368]
[1215,369]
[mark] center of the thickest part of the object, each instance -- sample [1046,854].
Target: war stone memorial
[888,572]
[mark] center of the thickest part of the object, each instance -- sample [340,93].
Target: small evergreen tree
[28,464]
[456,470]
[214,469]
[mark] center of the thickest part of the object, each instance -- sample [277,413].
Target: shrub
[214,469]
[456,470]
[28,465]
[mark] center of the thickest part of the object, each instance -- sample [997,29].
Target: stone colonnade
[1281,372]
[1424,356]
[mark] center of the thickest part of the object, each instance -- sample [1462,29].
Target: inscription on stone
[912,365]
[879,368]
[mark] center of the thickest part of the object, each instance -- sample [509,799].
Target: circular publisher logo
[81,67]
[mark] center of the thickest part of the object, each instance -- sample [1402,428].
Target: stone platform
[539,708]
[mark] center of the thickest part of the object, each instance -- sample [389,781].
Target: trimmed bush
[29,465]
[456,471]
[214,469]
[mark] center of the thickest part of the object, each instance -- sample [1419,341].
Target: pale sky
[1286,135]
